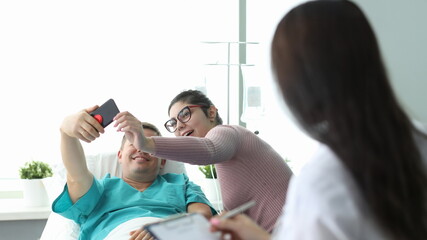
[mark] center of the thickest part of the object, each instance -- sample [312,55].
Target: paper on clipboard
[191,226]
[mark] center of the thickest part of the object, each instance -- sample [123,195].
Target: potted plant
[208,170]
[211,186]
[32,174]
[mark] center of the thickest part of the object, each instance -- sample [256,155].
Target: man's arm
[76,127]
[196,199]
[201,208]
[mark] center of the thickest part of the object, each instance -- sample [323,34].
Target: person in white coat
[369,178]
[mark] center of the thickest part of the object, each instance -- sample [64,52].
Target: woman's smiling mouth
[187,133]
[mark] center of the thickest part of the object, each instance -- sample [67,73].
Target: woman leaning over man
[369,178]
[248,168]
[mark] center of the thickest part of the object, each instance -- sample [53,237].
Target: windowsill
[14,209]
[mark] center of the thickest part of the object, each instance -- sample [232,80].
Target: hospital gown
[111,201]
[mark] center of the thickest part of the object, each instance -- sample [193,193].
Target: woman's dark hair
[328,65]
[197,98]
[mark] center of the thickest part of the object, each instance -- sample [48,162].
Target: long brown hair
[329,68]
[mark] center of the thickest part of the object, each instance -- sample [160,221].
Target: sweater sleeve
[219,145]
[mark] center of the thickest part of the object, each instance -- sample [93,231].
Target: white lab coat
[325,203]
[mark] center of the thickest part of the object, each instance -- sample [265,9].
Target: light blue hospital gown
[111,201]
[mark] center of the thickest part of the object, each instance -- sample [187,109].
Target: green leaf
[35,170]
[206,170]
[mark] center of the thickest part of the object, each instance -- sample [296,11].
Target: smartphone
[105,113]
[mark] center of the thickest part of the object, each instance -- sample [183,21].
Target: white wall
[401,30]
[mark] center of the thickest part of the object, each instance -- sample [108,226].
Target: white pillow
[58,227]
[103,163]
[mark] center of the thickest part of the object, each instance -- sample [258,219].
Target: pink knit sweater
[248,168]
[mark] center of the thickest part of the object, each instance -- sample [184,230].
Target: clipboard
[188,226]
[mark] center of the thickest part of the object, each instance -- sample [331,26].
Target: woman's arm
[219,145]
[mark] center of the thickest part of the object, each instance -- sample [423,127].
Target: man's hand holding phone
[87,124]
[82,126]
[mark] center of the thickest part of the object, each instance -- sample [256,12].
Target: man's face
[139,165]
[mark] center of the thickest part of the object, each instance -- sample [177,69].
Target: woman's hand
[132,127]
[82,125]
[240,227]
[140,234]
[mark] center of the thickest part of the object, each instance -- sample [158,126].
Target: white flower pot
[212,190]
[34,193]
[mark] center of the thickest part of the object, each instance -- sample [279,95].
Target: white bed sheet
[122,231]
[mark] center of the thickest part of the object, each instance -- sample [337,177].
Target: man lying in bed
[101,206]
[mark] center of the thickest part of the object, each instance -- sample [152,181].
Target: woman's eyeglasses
[183,116]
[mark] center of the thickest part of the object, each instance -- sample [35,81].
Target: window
[275,124]
[57,58]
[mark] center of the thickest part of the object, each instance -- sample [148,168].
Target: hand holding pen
[240,226]
[239,209]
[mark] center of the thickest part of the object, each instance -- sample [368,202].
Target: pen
[238,210]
